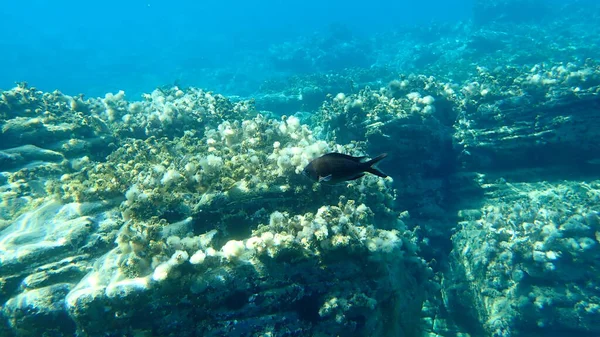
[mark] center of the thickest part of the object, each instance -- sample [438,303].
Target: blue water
[98,47]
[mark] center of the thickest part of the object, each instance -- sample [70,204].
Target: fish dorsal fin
[345,156]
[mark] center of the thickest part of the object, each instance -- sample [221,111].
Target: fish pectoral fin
[325,178]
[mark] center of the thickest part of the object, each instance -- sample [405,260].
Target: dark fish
[334,168]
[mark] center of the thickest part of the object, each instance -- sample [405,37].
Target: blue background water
[99,47]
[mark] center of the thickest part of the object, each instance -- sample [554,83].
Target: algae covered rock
[525,251]
[301,274]
[194,220]
[525,263]
[390,120]
[543,117]
[50,121]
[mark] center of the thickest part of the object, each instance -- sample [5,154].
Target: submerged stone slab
[49,244]
[39,237]
[40,312]
[526,262]
[27,156]
[543,118]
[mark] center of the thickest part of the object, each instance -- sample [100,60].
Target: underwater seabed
[187,214]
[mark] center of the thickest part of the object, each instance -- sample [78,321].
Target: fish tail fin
[375,160]
[370,166]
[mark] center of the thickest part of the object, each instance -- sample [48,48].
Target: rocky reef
[187,214]
[525,262]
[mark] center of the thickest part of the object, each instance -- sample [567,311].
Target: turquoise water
[136,46]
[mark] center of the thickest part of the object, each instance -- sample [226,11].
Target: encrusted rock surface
[192,219]
[545,116]
[526,262]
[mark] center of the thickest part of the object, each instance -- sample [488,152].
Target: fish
[333,168]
